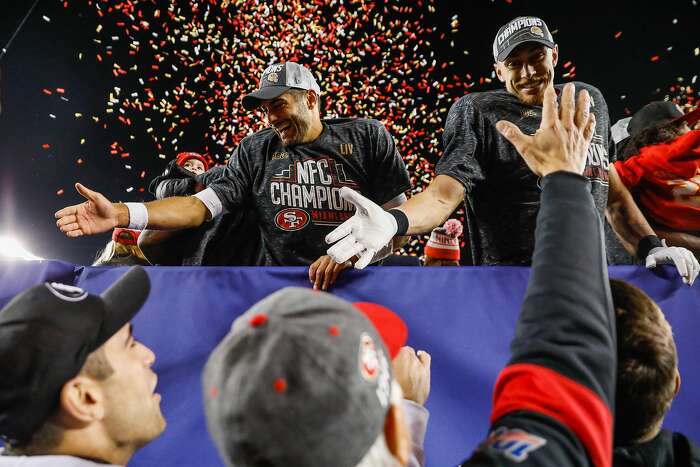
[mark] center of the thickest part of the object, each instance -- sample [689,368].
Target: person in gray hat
[76,388]
[299,379]
[501,194]
[304,378]
[290,173]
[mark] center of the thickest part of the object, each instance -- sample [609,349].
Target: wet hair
[646,363]
[300,94]
[657,134]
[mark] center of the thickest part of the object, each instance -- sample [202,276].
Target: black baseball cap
[46,334]
[279,78]
[660,113]
[519,31]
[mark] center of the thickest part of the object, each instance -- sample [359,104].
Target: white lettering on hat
[65,292]
[384,384]
[275,68]
[518,25]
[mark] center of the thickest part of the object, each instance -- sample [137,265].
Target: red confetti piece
[258,320]
[655,58]
[618,34]
[46,146]
[280,385]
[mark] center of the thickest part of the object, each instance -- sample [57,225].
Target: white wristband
[138,215]
[211,201]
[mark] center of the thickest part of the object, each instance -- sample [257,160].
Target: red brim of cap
[691,118]
[185,156]
[126,236]
[389,325]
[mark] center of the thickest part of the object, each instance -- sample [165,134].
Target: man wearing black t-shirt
[291,174]
[500,192]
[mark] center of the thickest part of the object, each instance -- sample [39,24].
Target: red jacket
[665,178]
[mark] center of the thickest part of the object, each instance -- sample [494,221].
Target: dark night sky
[44,55]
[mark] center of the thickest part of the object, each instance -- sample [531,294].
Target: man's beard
[300,122]
[530,99]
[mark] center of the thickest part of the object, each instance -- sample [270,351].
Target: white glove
[685,262]
[365,233]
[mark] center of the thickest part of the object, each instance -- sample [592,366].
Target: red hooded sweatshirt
[665,178]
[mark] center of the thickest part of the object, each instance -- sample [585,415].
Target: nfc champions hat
[302,378]
[518,31]
[278,79]
[46,334]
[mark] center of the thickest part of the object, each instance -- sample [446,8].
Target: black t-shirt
[295,190]
[502,194]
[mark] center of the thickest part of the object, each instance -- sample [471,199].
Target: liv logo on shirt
[514,444]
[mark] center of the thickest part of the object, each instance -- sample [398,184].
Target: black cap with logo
[519,31]
[279,78]
[46,334]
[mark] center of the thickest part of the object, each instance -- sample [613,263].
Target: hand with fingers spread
[325,271]
[685,262]
[412,373]
[364,234]
[562,141]
[96,215]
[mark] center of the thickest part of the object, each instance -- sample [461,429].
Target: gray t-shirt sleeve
[234,186]
[388,174]
[463,140]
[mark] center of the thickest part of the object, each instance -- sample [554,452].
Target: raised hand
[562,141]
[96,215]
[412,372]
[364,234]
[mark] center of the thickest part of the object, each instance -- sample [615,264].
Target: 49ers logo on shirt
[292,219]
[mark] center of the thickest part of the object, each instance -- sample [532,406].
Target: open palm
[96,215]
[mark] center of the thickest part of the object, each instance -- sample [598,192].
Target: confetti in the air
[180,70]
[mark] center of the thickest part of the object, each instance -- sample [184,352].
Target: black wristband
[646,244]
[401,221]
